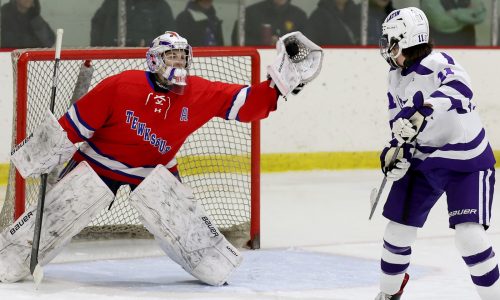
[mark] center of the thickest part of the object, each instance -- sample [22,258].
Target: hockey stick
[35,268]
[375,195]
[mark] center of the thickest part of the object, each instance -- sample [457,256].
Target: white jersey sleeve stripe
[80,125]
[451,102]
[171,163]
[239,101]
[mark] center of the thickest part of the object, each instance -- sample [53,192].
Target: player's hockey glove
[411,120]
[397,169]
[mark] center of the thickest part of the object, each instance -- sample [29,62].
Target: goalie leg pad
[69,206]
[183,229]
[47,147]
[298,62]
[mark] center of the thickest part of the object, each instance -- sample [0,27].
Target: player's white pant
[185,232]
[69,206]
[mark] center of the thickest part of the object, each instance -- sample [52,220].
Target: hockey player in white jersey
[444,149]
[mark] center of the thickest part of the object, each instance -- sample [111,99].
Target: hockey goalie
[130,127]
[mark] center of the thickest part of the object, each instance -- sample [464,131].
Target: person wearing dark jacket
[265,21]
[378,10]
[146,19]
[335,22]
[200,24]
[23,27]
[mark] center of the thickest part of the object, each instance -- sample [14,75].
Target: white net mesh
[215,161]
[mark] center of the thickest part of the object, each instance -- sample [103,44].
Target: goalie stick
[375,195]
[35,269]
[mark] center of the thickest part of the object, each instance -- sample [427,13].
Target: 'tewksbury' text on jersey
[129,124]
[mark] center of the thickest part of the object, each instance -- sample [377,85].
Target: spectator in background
[377,12]
[23,27]
[146,19]
[267,20]
[200,24]
[452,22]
[334,22]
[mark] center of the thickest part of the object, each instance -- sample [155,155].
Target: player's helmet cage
[403,28]
[174,75]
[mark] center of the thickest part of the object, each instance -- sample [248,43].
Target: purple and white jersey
[454,137]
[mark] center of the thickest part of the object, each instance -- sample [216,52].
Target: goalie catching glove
[411,120]
[395,170]
[298,62]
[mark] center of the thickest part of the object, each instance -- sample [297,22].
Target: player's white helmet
[160,62]
[403,28]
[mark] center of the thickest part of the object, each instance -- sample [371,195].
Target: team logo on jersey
[184,114]
[141,129]
[161,103]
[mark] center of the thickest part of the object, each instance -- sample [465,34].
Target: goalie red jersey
[129,124]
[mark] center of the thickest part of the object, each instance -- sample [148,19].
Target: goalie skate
[397,296]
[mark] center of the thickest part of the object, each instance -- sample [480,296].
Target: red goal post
[221,161]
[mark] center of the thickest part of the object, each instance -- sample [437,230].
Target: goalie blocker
[44,149]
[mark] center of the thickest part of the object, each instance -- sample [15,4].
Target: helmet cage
[387,50]
[175,76]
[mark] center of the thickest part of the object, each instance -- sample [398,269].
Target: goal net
[220,161]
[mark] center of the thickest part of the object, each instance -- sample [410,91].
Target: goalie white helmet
[403,28]
[170,56]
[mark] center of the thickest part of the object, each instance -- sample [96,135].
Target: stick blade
[373,202]
[38,275]
[373,197]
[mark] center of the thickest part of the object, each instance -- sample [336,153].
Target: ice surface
[317,244]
